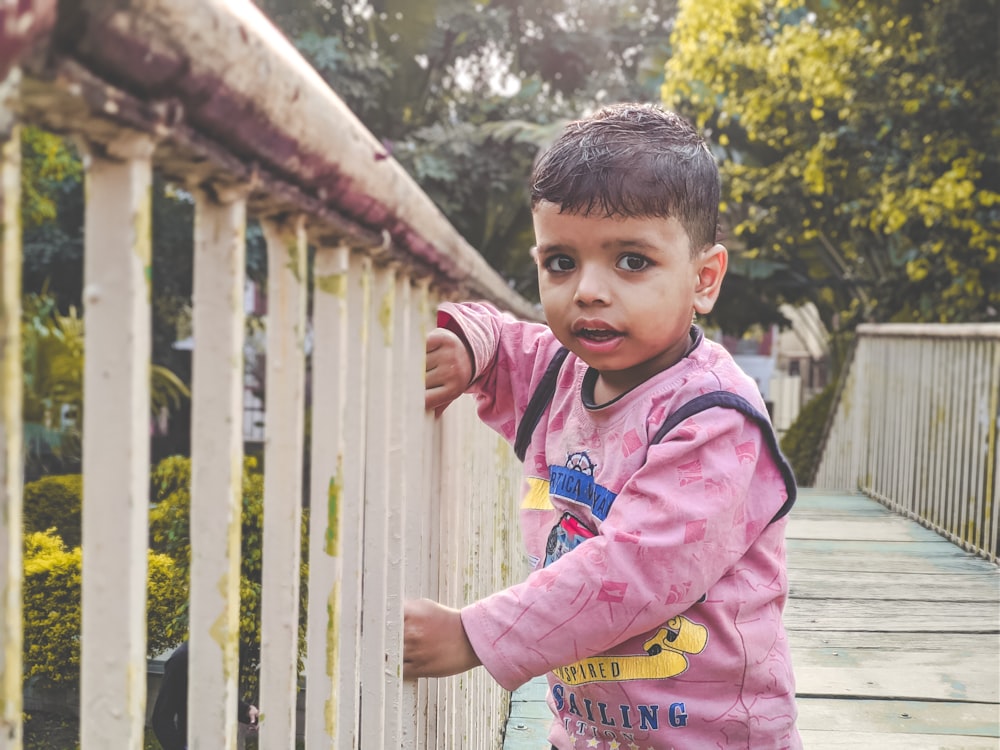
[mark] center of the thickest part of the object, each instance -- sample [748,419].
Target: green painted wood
[530,718]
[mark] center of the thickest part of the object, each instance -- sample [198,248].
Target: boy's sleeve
[509,357]
[677,526]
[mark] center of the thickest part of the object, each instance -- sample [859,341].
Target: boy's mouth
[596,334]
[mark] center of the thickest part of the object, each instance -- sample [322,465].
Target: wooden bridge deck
[895,633]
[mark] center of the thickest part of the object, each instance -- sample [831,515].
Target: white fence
[917,428]
[207,92]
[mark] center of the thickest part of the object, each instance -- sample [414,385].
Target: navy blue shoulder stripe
[538,403]
[728,400]
[546,388]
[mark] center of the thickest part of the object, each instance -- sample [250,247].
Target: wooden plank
[894,557]
[894,616]
[11,448]
[899,676]
[983,644]
[889,529]
[283,449]
[837,738]
[969,585]
[920,717]
[116,297]
[530,717]
[893,631]
[811,500]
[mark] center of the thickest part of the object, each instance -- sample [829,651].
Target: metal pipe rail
[211,95]
[917,428]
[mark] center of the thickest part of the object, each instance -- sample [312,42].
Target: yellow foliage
[891,189]
[51,601]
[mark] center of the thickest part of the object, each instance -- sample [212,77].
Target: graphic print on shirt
[666,656]
[666,653]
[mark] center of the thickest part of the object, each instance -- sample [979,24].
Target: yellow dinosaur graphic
[664,657]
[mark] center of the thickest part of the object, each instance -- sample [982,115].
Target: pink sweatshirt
[657,586]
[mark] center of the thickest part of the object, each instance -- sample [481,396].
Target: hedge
[51,596]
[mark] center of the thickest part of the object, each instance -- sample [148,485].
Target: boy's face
[620,292]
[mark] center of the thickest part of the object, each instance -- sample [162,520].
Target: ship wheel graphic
[580,462]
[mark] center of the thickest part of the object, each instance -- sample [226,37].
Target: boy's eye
[632,262]
[559,263]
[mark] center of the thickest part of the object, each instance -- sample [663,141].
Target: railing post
[340,372]
[216,469]
[378,677]
[416,495]
[283,433]
[11,542]
[330,372]
[116,415]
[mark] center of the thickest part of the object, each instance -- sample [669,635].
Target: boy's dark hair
[633,161]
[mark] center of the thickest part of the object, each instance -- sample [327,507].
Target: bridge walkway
[895,633]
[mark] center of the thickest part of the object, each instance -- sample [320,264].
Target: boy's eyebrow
[628,244]
[616,244]
[552,248]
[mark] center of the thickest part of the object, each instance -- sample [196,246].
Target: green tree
[464,94]
[51,215]
[170,521]
[53,360]
[859,148]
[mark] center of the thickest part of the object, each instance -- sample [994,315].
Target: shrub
[52,612]
[51,596]
[170,522]
[54,503]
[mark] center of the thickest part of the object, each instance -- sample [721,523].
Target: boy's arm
[677,526]
[508,357]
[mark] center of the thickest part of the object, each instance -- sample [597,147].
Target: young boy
[654,605]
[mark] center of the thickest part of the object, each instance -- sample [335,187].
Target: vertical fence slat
[979,440]
[375,678]
[991,480]
[329,400]
[116,413]
[417,499]
[216,471]
[403,413]
[939,393]
[283,444]
[431,578]
[10,433]
[359,303]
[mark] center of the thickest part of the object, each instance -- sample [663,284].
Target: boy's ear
[711,267]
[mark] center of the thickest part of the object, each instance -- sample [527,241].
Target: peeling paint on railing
[403,504]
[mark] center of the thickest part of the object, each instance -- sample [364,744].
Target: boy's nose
[591,288]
